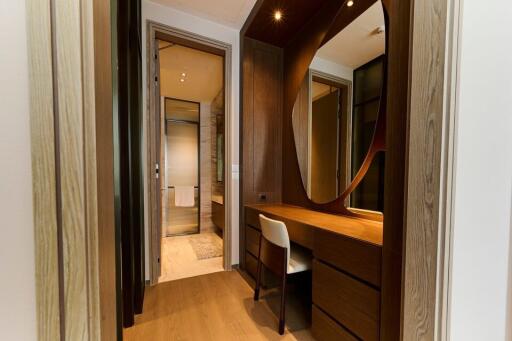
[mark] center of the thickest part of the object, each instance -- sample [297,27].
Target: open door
[128,161]
[159,170]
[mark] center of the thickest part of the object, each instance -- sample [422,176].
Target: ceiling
[295,14]
[204,73]
[359,42]
[227,12]
[319,90]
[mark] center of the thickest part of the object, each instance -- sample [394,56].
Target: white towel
[184,196]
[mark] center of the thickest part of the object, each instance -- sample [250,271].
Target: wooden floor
[215,307]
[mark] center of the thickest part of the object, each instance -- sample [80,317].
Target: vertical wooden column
[44,171]
[72,230]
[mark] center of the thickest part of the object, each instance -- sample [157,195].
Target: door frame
[344,85]
[205,44]
[430,160]
[162,172]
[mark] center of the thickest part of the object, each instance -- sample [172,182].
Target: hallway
[214,307]
[180,258]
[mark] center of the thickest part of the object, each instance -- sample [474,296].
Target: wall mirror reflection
[336,110]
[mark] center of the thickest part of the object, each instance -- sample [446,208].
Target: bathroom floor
[180,260]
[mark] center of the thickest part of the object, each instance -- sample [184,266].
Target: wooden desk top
[365,230]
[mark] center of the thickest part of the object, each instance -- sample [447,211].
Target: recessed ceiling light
[350,3]
[278,15]
[183,74]
[182,80]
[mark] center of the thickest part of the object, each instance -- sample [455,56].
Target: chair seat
[300,260]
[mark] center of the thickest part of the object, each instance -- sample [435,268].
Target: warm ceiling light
[182,80]
[278,15]
[350,3]
[183,74]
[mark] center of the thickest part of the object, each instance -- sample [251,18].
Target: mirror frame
[298,56]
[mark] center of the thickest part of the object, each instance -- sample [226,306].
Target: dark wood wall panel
[262,121]
[395,169]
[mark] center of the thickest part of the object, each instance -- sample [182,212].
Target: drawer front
[350,302]
[218,215]
[252,217]
[251,264]
[325,329]
[362,260]
[252,240]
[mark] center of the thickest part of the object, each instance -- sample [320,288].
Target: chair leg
[258,280]
[258,274]
[283,306]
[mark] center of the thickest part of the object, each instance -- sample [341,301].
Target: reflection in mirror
[367,86]
[335,113]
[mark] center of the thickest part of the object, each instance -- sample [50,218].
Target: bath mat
[206,245]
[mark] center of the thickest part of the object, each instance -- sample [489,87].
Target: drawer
[251,264]
[218,218]
[252,217]
[360,259]
[348,301]
[325,329]
[252,240]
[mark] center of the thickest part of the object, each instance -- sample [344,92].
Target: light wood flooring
[215,307]
[179,260]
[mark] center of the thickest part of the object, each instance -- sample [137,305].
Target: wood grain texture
[398,22]
[104,167]
[262,100]
[90,170]
[362,260]
[355,305]
[43,170]
[352,228]
[326,329]
[63,106]
[72,167]
[263,27]
[213,307]
[424,169]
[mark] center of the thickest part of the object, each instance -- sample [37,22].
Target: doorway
[330,125]
[189,229]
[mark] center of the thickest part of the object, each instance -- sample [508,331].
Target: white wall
[184,21]
[17,284]
[483,193]
[331,68]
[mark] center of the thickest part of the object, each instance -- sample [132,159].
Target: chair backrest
[275,232]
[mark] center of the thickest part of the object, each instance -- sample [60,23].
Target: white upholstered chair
[279,257]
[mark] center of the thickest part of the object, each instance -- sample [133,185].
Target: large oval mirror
[335,114]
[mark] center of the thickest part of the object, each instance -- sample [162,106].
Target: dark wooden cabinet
[218,217]
[352,303]
[362,260]
[326,329]
[346,269]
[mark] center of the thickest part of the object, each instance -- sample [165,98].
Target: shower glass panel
[180,195]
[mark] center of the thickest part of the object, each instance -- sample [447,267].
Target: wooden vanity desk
[346,268]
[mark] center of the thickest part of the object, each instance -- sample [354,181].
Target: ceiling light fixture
[183,74]
[278,15]
[350,3]
[182,80]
